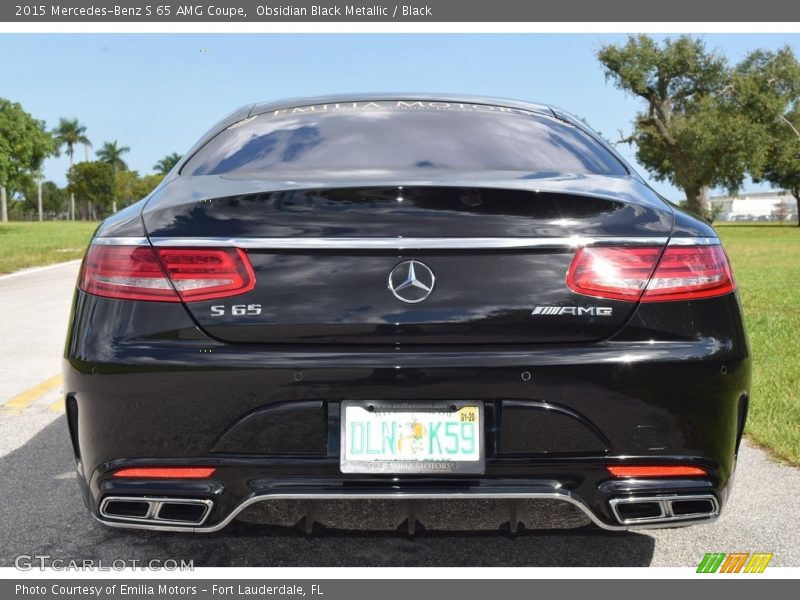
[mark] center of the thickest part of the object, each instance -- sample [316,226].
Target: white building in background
[760,206]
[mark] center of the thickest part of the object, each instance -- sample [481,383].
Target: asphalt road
[42,513]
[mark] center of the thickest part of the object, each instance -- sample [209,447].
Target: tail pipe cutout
[655,510]
[155,511]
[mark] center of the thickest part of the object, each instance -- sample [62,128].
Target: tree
[54,199]
[769,83]
[129,187]
[24,144]
[781,212]
[693,132]
[166,164]
[125,187]
[70,133]
[147,184]
[93,183]
[783,166]
[111,153]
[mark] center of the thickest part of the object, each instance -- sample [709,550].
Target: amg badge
[597,311]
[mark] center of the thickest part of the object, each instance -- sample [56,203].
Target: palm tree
[165,165]
[70,133]
[111,153]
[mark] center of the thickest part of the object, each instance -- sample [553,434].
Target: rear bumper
[267,418]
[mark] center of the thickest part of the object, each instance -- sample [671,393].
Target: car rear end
[405,306]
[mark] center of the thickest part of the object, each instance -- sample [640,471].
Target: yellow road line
[29,396]
[57,406]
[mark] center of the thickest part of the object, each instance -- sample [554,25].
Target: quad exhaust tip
[655,510]
[167,511]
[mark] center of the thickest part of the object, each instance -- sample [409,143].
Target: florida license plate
[412,437]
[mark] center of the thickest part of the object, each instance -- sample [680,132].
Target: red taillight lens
[616,273]
[207,274]
[689,272]
[166,274]
[125,272]
[166,472]
[656,471]
[632,274]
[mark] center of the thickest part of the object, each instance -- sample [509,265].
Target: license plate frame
[413,466]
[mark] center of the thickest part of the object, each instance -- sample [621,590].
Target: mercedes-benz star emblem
[411,281]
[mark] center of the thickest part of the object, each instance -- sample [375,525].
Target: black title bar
[241,11]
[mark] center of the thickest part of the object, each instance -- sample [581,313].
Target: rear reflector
[650,274]
[166,274]
[166,472]
[656,471]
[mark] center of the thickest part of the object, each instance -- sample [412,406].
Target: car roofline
[254,109]
[265,107]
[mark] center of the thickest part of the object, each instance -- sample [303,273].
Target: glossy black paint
[157,383]
[169,394]
[305,295]
[197,205]
[307,300]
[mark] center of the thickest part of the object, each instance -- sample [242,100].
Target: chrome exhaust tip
[173,511]
[657,510]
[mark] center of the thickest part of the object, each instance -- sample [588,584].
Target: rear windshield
[405,135]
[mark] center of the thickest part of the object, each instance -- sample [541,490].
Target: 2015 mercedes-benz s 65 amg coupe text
[424,311]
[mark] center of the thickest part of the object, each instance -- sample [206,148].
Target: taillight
[651,274]
[208,273]
[165,274]
[689,272]
[616,273]
[125,272]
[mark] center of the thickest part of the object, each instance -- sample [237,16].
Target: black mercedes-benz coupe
[424,311]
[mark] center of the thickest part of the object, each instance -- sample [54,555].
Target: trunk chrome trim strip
[472,243]
[694,241]
[403,243]
[120,241]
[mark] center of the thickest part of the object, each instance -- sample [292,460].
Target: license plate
[412,437]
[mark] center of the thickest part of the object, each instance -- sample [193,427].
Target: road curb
[33,270]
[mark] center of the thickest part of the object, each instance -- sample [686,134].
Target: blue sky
[158,93]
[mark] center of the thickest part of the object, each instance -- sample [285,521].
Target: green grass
[25,245]
[766,263]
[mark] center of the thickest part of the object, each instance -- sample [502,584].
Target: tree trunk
[796,194]
[39,198]
[71,195]
[4,204]
[696,199]
[114,185]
